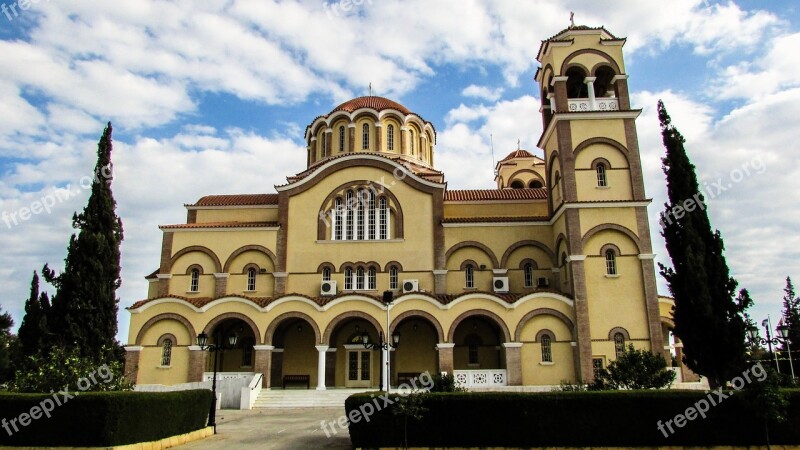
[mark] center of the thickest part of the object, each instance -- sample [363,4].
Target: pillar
[321,351]
[440,281]
[131,370]
[198,361]
[221,284]
[163,283]
[514,362]
[263,363]
[590,89]
[445,357]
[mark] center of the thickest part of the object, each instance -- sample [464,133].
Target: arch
[166,316]
[170,336]
[232,315]
[607,141]
[598,161]
[419,313]
[526,243]
[371,186]
[608,60]
[536,184]
[393,263]
[348,315]
[326,265]
[517,184]
[249,248]
[611,247]
[576,87]
[273,326]
[196,248]
[193,267]
[544,332]
[468,262]
[544,311]
[249,266]
[478,312]
[616,330]
[615,227]
[560,239]
[478,245]
[528,261]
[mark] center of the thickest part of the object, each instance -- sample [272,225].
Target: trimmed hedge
[569,419]
[99,419]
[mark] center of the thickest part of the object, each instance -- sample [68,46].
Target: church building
[544,279]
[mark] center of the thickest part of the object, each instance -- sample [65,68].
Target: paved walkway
[275,429]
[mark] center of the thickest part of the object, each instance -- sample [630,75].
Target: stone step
[296,398]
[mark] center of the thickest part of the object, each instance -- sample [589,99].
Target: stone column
[280,282]
[328,136]
[163,283]
[621,89]
[321,349]
[590,90]
[221,284]
[445,357]
[440,281]
[131,370]
[198,361]
[560,89]
[263,363]
[351,132]
[514,362]
[378,136]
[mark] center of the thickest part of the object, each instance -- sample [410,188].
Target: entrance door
[359,368]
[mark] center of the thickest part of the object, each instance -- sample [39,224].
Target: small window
[326,274]
[547,352]
[601,175]
[619,344]
[166,353]
[469,275]
[349,211]
[341,138]
[365,136]
[372,279]
[393,278]
[536,184]
[611,263]
[411,142]
[194,286]
[360,278]
[251,279]
[390,137]
[517,184]
[338,217]
[383,210]
[348,279]
[528,269]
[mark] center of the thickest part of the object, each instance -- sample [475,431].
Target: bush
[100,419]
[635,369]
[445,383]
[571,419]
[59,367]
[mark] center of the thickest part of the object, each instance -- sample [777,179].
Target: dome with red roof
[371,102]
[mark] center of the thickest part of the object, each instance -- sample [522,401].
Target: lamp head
[783,330]
[752,333]
[202,339]
[232,340]
[395,338]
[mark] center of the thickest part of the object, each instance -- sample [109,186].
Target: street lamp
[216,348]
[383,347]
[752,334]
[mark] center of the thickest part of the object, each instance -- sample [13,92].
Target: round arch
[527,243]
[326,338]
[475,244]
[394,205]
[249,248]
[614,227]
[166,316]
[419,313]
[608,61]
[479,312]
[233,315]
[544,311]
[273,326]
[197,248]
[602,140]
[616,330]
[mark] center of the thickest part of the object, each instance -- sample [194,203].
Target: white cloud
[482,92]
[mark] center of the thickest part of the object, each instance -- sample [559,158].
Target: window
[393,278]
[338,217]
[547,352]
[411,142]
[341,138]
[358,213]
[194,286]
[473,343]
[528,269]
[247,352]
[371,279]
[619,344]
[360,278]
[601,175]
[611,263]
[390,137]
[348,212]
[597,366]
[384,219]
[251,279]
[365,136]
[469,275]
[371,215]
[326,274]
[359,210]
[348,279]
[166,353]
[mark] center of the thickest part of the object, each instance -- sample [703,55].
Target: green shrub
[58,367]
[635,369]
[445,383]
[98,419]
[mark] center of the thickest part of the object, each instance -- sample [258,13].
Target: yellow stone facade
[536,282]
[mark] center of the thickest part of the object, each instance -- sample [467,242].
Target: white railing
[250,392]
[600,104]
[207,376]
[480,378]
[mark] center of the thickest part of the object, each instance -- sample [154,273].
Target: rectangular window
[371,279]
[348,279]
[528,275]
[384,218]
[547,351]
[360,278]
[251,279]
[393,278]
[469,275]
[166,353]
[194,286]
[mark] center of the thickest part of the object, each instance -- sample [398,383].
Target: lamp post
[383,347]
[752,334]
[216,348]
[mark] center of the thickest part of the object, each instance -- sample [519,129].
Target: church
[544,279]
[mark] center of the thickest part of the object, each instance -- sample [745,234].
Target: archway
[348,362]
[416,352]
[294,354]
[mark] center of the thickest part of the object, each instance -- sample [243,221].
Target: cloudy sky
[213,97]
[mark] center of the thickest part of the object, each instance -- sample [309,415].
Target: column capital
[321,348]
[133,348]
[221,275]
[589,79]
[164,276]
[263,347]
[512,344]
[196,348]
[442,345]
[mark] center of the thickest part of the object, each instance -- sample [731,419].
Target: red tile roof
[517,154]
[373,102]
[419,170]
[238,200]
[219,225]
[494,219]
[470,195]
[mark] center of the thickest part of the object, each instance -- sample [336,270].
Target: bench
[297,379]
[406,377]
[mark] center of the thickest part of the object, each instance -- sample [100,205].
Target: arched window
[348,279]
[601,175]
[194,285]
[547,351]
[619,344]
[564,269]
[365,136]
[360,278]
[348,212]
[384,219]
[341,138]
[251,279]
[469,276]
[372,279]
[326,274]
[535,184]
[371,212]
[338,217]
[611,262]
[359,210]
[359,213]
[390,137]
[528,269]
[576,86]
[517,184]
[411,142]
[166,353]
[393,275]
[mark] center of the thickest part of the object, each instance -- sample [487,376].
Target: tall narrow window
[251,279]
[348,211]
[338,218]
[411,142]
[372,280]
[469,275]
[194,286]
[360,278]
[371,212]
[547,351]
[528,268]
[384,219]
[341,138]
[393,278]
[390,137]
[619,344]
[365,136]
[326,274]
[362,194]
[348,279]
[601,175]
[611,262]
[166,353]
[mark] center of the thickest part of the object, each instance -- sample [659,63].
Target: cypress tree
[33,333]
[708,319]
[84,308]
[791,315]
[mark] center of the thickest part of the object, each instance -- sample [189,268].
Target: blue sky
[214,97]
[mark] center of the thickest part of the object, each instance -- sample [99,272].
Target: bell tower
[596,194]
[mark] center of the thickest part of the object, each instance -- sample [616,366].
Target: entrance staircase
[304,398]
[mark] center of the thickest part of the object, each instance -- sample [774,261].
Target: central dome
[372,102]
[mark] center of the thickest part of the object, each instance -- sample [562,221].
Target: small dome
[517,154]
[372,102]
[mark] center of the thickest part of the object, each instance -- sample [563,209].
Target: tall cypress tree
[791,315]
[84,308]
[33,333]
[708,319]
